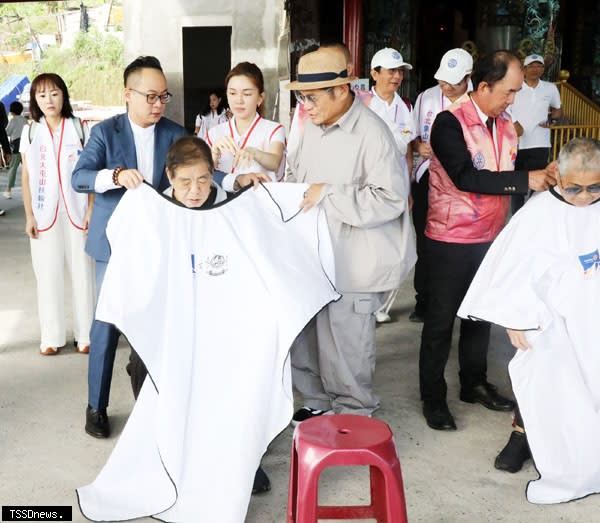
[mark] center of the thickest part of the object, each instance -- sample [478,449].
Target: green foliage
[20,18]
[92,68]
[97,46]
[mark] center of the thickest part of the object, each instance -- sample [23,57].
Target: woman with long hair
[57,217]
[248,148]
[214,114]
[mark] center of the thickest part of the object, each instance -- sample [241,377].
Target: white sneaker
[7,195]
[382,317]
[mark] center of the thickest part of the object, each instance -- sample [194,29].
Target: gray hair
[580,154]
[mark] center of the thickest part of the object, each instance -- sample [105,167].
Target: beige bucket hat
[325,67]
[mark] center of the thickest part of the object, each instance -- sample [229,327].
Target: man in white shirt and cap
[536,104]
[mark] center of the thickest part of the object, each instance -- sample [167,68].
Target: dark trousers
[528,160]
[104,338]
[452,267]
[420,194]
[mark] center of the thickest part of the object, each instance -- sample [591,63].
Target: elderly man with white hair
[541,281]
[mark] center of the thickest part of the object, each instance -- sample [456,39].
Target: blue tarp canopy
[12,87]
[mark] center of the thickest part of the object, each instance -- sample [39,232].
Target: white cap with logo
[389,59]
[454,66]
[533,58]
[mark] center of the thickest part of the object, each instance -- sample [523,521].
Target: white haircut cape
[212,301]
[542,276]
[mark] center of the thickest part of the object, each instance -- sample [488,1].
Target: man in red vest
[472,177]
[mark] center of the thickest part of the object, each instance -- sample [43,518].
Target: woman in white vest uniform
[387,71]
[212,116]
[56,216]
[248,147]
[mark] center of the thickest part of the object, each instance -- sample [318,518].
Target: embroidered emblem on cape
[452,63]
[478,161]
[396,55]
[590,263]
[216,265]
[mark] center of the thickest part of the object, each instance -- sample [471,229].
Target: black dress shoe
[261,482]
[438,417]
[487,395]
[96,423]
[514,454]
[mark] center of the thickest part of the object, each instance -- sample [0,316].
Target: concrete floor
[448,477]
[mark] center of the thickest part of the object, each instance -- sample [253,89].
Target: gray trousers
[333,358]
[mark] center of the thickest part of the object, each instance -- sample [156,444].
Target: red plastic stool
[345,439]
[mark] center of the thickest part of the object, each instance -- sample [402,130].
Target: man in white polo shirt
[533,103]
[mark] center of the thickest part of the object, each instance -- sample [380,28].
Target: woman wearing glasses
[248,148]
[57,217]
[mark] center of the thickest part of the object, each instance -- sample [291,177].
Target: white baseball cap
[389,59]
[454,66]
[533,58]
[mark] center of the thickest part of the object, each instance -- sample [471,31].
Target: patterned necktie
[490,125]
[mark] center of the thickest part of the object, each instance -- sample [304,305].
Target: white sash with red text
[49,179]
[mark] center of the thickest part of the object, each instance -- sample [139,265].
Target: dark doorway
[440,26]
[206,62]
[332,21]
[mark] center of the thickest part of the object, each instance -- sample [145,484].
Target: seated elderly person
[193,442]
[190,169]
[541,281]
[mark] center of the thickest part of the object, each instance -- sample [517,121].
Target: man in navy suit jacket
[122,152]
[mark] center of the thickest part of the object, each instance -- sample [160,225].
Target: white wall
[154,27]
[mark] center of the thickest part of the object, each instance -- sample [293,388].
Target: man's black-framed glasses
[152,98]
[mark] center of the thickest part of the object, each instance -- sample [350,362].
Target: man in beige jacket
[348,156]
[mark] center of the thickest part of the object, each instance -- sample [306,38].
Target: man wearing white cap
[536,101]
[349,158]
[453,77]
[387,71]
